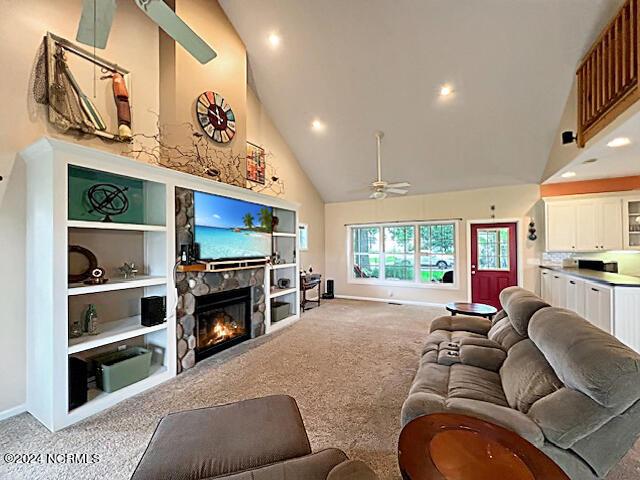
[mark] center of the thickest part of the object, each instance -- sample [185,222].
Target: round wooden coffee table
[473,309]
[445,446]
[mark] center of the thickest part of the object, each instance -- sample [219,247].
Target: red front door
[494,261]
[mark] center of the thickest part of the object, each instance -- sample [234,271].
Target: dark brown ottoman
[258,439]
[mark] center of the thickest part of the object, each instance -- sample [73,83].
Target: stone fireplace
[217,310]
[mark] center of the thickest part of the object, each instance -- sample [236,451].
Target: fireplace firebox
[223,319]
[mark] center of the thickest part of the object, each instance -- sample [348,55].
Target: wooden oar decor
[121,97]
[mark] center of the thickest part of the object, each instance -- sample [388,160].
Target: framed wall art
[256,163]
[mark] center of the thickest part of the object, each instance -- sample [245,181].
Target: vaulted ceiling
[365,65]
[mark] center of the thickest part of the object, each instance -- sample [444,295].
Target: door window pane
[437,252]
[493,248]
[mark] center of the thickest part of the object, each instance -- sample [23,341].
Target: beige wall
[133,44]
[298,188]
[517,202]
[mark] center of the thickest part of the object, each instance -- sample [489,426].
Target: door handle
[595,289]
[572,282]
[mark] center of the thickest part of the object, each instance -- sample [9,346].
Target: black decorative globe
[108,199]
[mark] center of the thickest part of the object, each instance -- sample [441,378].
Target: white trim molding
[12,412]
[390,300]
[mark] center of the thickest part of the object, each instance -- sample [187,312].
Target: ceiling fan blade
[175,27]
[397,191]
[98,14]
[399,185]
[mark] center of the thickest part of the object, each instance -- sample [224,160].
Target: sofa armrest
[215,441]
[464,323]
[352,470]
[489,358]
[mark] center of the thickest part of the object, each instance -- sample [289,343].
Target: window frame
[415,283]
[499,255]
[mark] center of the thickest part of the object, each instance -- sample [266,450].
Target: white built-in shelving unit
[53,303]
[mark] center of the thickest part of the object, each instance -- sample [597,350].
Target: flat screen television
[227,228]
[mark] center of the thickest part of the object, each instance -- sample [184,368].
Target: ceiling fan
[380,188]
[97,17]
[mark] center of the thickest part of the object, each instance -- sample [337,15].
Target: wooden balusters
[608,75]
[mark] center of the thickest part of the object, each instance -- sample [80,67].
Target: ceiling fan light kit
[382,189]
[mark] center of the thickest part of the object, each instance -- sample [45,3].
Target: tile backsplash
[628,261]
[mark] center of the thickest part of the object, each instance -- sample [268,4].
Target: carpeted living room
[320,240]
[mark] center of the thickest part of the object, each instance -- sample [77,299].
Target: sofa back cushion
[504,334]
[587,358]
[520,305]
[527,376]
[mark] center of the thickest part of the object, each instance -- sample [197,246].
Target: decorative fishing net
[60,95]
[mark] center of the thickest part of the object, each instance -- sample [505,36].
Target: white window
[417,254]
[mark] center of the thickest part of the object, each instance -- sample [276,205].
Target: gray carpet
[348,364]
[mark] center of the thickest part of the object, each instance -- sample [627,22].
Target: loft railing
[608,74]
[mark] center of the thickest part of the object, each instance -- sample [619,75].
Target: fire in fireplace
[222,319]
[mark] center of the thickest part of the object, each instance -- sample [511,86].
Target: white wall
[516,202]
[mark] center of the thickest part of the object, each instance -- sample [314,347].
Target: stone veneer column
[206,283]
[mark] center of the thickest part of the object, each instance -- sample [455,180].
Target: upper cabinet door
[610,228]
[631,223]
[561,227]
[587,226]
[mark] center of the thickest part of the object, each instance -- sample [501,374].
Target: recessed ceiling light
[568,174]
[619,142]
[274,39]
[446,90]
[317,125]
[590,160]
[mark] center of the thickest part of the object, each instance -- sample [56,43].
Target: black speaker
[77,382]
[328,292]
[153,310]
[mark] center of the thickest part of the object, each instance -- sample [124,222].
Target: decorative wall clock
[216,117]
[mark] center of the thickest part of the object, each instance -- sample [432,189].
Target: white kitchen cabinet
[598,304]
[587,226]
[631,223]
[545,285]
[558,290]
[584,225]
[574,294]
[609,216]
[561,226]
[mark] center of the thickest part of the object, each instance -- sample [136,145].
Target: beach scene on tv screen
[230,228]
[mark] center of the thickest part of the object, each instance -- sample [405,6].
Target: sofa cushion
[316,466]
[503,333]
[466,323]
[475,383]
[520,305]
[527,376]
[431,378]
[587,358]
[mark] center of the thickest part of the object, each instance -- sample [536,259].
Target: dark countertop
[606,278]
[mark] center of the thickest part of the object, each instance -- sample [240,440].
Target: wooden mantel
[608,74]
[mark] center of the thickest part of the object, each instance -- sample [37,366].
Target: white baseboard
[12,412]
[391,300]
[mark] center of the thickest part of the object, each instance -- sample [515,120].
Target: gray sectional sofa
[568,387]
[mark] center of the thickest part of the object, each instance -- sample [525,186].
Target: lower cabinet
[575,295]
[598,303]
[613,309]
